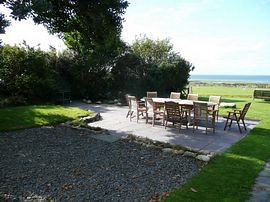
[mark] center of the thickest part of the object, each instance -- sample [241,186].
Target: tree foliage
[92,28]
[3,23]
[26,74]
[92,18]
[98,63]
[151,51]
[151,65]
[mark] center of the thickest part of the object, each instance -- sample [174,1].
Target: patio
[115,121]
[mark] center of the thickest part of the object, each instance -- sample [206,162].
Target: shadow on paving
[115,121]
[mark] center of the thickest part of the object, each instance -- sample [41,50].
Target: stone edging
[82,124]
[202,155]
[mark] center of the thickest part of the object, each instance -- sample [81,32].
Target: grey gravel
[64,164]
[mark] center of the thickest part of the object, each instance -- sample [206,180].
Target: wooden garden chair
[193,97]
[203,114]
[215,99]
[237,115]
[136,106]
[174,114]
[153,110]
[129,104]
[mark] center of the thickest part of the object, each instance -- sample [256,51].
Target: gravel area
[64,164]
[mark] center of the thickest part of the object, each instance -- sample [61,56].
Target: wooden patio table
[186,104]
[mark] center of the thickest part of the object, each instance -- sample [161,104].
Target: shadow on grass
[205,98]
[231,100]
[262,101]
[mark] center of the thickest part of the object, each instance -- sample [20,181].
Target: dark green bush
[26,72]
[82,77]
[30,75]
[150,66]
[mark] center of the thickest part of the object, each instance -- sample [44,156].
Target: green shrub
[150,66]
[26,73]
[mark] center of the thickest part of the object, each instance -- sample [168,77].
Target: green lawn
[13,118]
[230,176]
[231,92]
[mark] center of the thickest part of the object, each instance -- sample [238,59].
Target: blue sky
[217,36]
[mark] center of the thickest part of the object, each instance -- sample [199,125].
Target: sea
[240,78]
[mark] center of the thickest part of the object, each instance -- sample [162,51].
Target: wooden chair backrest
[215,99]
[172,110]
[244,111]
[151,94]
[133,102]
[193,97]
[128,99]
[200,109]
[149,104]
[175,95]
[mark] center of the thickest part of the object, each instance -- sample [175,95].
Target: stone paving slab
[106,138]
[115,121]
[261,189]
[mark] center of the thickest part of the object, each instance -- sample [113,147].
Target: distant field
[224,91]
[237,95]
[231,84]
[227,89]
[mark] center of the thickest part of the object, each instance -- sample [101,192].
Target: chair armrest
[237,111]
[212,111]
[231,113]
[234,111]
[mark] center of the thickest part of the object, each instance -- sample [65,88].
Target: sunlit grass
[230,176]
[232,92]
[13,118]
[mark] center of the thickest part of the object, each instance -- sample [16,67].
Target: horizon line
[227,75]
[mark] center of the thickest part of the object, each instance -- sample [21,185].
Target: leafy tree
[86,26]
[152,51]
[151,65]
[3,23]
[127,75]
[91,29]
